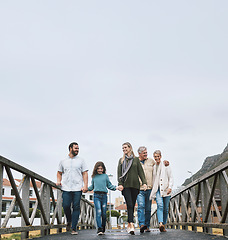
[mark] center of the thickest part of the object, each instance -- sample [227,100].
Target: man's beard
[75,153]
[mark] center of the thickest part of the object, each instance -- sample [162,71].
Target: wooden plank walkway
[171,234]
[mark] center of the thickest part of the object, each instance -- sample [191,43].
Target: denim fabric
[162,207]
[100,203]
[72,198]
[144,207]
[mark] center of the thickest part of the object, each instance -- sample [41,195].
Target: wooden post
[205,203]
[25,201]
[1,184]
[59,195]
[179,209]
[45,199]
[224,198]
[193,210]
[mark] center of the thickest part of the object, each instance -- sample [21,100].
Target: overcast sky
[100,73]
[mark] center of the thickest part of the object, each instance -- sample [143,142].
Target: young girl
[100,183]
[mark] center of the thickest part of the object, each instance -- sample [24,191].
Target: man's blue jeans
[162,207]
[100,203]
[72,199]
[144,208]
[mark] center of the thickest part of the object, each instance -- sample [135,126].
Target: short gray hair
[157,152]
[141,149]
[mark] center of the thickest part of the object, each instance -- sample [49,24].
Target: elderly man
[144,203]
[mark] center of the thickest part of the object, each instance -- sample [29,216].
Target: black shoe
[68,226]
[99,230]
[143,228]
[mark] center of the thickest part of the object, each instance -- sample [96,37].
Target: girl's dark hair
[98,164]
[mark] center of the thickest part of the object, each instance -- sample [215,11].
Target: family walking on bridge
[140,179]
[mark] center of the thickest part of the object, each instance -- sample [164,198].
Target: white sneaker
[74,232]
[132,229]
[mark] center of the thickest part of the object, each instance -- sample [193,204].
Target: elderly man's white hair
[141,149]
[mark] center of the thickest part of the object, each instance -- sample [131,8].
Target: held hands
[84,189]
[169,190]
[120,188]
[144,187]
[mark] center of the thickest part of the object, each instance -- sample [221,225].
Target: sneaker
[143,228]
[68,226]
[128,229]
[100,231]
[132,229]
[73,232]
[147,230]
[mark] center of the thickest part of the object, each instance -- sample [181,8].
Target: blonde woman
[162,188]
[129,172]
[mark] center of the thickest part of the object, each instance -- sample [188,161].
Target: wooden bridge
[200,206]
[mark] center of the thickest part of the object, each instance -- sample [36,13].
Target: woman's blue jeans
[162,207]
[144,208]
[100,203]
[72,199]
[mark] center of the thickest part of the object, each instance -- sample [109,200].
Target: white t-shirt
[72,169]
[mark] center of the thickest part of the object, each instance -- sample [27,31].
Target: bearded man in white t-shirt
[72,175]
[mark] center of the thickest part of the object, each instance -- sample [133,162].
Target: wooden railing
[44,198]
[203,204]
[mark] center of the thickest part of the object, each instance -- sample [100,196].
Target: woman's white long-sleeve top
[163,179]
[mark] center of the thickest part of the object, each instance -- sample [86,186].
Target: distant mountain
[209,164]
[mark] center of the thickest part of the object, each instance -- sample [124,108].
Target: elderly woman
[162,188]
[129,172]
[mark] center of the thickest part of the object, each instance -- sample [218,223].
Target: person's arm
[142,175]
[153,162]
[170,176]
[85,180]
[59,174]
[59,178]
[109,184]
[91,187]
[119,173]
